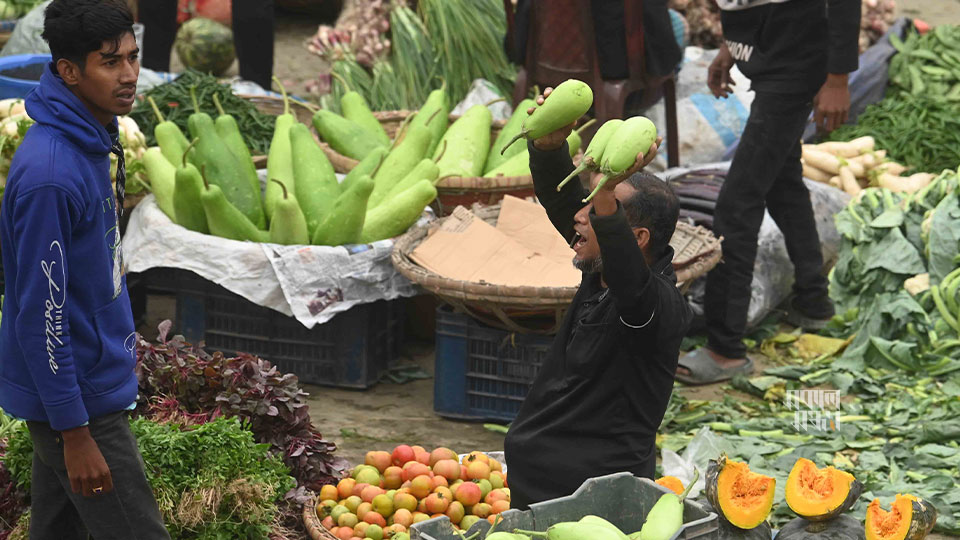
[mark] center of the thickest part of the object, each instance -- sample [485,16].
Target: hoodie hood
[54,106]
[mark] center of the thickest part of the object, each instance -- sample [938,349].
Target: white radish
[849,181]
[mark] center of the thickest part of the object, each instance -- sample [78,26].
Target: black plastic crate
[352,350]
[483,373]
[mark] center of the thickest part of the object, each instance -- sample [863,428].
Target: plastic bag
[25,38]
[704,446]
[483,92]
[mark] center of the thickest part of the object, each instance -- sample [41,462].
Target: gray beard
[591,266]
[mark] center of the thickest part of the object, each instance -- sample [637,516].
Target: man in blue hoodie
[67,342]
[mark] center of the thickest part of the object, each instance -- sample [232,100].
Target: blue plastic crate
[352,350]
[483,373]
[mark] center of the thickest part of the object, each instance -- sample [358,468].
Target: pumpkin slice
[672,483]
[909,518]
[742,497]
[820,494]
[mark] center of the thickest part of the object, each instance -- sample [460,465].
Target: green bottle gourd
[288,226]
[425,170]
[368,166]
[356,109]
[666,517]
[600,522]
[172,142]
[594,152]
[573,531]
[399,162]
[186,198]
[395,216]
[229,131]
[509,131]
[344,223]
[468,142]
[280,157]
[162,176]
[634,136]
[574,140]
[223,168]
[434,115]
[344,136]
[316,185]
[224,219]
[519,164]
[570,100]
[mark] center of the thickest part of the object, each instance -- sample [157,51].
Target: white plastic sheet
[311,283]
[706,445]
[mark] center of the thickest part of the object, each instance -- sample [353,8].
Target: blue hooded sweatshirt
[67,340]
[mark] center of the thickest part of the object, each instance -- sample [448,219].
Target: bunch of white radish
[854,165]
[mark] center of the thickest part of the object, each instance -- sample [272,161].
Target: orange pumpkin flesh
[820,494]
[743,497]
[889,525]
[672,483]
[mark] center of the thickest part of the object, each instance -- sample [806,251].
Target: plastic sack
[704,446]
[483,92]
[25,38]
[773,271]
[707,126]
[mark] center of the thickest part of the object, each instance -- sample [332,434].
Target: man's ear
[69,72]
[642,235]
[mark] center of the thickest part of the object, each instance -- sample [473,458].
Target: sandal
[705,370]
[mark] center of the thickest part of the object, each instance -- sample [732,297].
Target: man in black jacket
[598,401]
[797,54]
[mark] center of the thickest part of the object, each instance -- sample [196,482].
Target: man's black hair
[76,28]
[653,206]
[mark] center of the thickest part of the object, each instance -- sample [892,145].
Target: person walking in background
[68,343]
[797,55]
[252,36]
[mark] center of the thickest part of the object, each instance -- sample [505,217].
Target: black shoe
[810,315]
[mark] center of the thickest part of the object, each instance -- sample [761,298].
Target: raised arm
[549,167]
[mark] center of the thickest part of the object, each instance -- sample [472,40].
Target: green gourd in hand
[666,517]
[594,152]
[635,135]
[316,183]
[171,140]
[280,158]
[288,226]
[344,223]
[570,100]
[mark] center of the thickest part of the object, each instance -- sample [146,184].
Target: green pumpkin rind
[842,527]
[924,519]
[713,474]
[728,531]
[856,489]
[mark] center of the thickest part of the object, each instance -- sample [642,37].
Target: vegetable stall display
[855,165]
[213,187]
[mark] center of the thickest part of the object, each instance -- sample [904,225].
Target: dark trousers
[252,36]
[129,512]
[765,173]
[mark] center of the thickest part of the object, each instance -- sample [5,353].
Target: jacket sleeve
[843,20]
[42,223]
[549,168]
[625,270]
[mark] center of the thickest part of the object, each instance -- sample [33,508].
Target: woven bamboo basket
[274,106]
[537,310]
[312,523]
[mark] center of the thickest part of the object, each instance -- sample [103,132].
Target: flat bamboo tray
[530,309]
[274,106]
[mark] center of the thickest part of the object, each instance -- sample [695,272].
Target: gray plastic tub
[621,498]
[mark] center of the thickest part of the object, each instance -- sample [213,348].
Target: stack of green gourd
[464,148]
[211,186]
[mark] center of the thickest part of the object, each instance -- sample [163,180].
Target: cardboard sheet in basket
[506,264]
[311,283]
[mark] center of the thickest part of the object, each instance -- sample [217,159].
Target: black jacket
[790,46]
[600,396]
[662,54]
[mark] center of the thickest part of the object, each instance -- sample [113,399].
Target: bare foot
[721,361]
